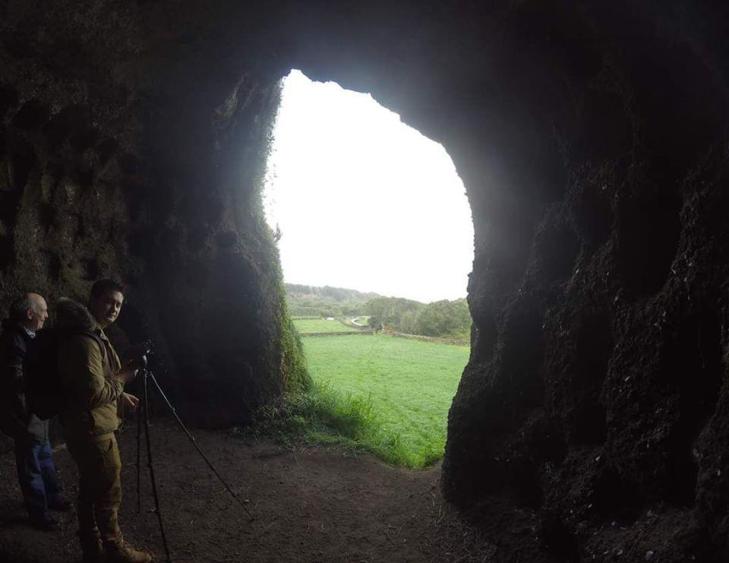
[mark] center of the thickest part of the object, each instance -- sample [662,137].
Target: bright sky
[363,201]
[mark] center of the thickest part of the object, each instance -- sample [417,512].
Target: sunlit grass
[397,390]
[309,326]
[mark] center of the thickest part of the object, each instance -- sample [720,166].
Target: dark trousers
[37,476]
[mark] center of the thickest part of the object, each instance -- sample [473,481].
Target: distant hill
[327,301]
[328,292]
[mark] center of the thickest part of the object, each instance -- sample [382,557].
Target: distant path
[354,321]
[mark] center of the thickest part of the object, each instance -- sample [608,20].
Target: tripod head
[140,355]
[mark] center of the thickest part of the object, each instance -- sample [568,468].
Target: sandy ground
[308,503]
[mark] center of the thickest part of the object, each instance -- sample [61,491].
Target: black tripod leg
[139,458]
[195,444]
[151,468]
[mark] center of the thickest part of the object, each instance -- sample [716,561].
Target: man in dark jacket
[33,454]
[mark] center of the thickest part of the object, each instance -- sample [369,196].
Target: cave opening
[375,237]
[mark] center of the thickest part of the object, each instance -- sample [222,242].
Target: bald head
[31,311]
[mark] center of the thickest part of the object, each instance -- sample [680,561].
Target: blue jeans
[37,476]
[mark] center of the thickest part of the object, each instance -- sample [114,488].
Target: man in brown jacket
[93,379]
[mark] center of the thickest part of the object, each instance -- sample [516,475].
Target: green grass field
[400,389]
[308,326]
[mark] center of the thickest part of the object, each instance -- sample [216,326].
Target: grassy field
[399,389]
[308,326]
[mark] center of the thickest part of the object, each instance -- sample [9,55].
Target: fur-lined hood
[71,314]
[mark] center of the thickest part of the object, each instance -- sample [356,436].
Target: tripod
[143,414]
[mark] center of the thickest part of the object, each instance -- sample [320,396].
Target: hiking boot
[122,552]
[93,554]
[92,548]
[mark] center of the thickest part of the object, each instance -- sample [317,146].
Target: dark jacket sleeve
[14,364]
[12,355]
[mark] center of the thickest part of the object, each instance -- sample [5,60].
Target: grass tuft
[322,415]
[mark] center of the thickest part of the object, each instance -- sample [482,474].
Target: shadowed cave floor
[310,504]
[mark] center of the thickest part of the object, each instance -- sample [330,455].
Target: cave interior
[592,140]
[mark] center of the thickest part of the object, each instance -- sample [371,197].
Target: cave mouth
[375,238]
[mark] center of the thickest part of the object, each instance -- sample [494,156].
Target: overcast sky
[362,200]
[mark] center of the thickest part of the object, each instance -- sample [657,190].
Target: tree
[444,318]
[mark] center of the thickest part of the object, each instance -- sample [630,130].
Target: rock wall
[591,421]
[131,151]
[596,384]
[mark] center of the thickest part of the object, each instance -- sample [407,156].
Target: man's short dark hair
[104,286]
[19,308]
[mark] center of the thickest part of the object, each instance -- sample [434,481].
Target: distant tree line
[448,319]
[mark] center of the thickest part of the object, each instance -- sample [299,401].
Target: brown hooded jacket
[87,370]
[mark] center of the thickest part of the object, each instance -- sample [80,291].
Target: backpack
[44,390]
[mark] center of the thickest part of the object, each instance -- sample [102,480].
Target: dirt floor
[309,504]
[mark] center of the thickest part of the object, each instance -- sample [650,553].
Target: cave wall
[598,372]
[592,139]
[129,150]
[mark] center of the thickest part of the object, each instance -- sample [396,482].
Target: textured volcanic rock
[592,138]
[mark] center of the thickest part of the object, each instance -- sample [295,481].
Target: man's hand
[129,401]
[127,375]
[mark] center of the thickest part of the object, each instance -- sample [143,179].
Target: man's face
[38,312]
[106,307]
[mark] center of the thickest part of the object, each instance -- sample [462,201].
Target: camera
[138,355]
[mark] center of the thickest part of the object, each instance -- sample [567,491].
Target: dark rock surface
[592,138]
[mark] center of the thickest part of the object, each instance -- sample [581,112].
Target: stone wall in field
[592,418]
